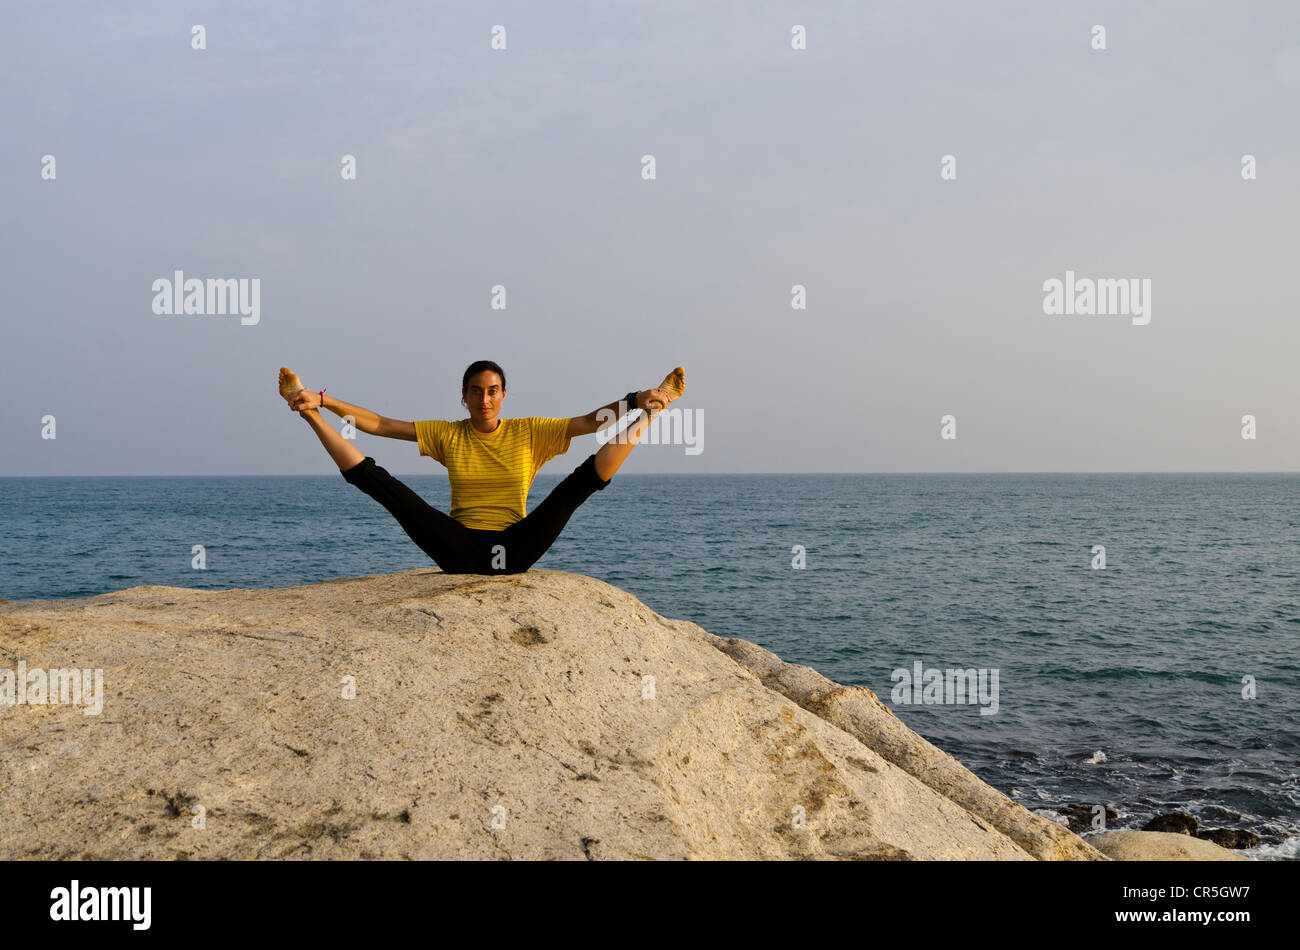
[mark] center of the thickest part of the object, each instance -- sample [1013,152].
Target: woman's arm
[370,422]
[597,419]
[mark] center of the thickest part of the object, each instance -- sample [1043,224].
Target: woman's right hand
[303,400]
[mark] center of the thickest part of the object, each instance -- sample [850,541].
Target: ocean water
[1121,686]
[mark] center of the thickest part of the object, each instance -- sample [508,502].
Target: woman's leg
[343,452]
[525,541]
[438,535]
[515,549]
[611,455]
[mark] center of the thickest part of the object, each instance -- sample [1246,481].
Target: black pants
[461,550]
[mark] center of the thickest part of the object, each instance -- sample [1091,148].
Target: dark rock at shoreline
[1238,839]
[1079,817]
[1174,822]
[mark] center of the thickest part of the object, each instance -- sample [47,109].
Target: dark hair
[479,366]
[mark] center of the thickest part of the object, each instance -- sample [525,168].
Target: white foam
[1287,850]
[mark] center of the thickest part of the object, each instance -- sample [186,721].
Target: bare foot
[289,383]
[673,386]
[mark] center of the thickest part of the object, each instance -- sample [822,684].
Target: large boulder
[539,715]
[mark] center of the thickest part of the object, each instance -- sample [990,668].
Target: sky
[774,167]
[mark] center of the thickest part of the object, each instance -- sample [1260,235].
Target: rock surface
[1160,846]
[1235,838]
[1174,822]
[1079,817]
[539,715]
[1177,822]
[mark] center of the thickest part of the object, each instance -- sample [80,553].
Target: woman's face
[483,396]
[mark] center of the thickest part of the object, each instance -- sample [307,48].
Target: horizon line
[704,474]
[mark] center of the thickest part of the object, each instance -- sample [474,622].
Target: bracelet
[322,399]
[631,400]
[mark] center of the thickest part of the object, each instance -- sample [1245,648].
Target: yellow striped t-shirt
[490,473]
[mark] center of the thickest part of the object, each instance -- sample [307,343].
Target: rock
[1175,822]
[540,715]
[1236,838]
[1159,846]
[1079,817]
[858,711]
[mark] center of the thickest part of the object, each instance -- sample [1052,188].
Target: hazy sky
[774,167]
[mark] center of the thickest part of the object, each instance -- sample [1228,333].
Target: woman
[491,463]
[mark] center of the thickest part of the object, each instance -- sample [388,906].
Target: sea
[1137,635]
